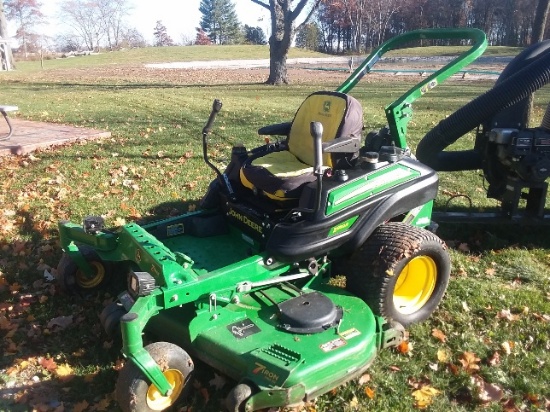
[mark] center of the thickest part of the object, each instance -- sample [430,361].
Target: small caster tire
[134,392]
[237,398]
[110,319]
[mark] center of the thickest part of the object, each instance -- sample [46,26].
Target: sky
[180,17]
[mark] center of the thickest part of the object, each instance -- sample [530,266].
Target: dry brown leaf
[60,322]
[486,392]
[364,379]
[404,347]
[48,364]
[469,362]
[507,347]
[494,359]
[81,406]
[369,392]
[509,406]
[102,405]
[439,335]
[463,247]
[506,314]
[218,382]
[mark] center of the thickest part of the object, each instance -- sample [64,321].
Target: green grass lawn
[496,310]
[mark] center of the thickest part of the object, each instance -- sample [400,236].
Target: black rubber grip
[216,107]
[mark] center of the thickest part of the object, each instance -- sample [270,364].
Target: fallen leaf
[506,347]
[60,322]
[469,362]
[404,347]
[463,247]
[64,372]
[48,364]
[81,406]
[506,314]
[423,397]
[439,335]
[364,379]
[369,392]
[494,359]
[218,382]
[442,355]
[486,392]
[205,394]
[354,403]
[509,406]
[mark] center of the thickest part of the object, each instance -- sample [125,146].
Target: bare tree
[161,35]
[26,14]
[84,18]
[96,21]
[283,18]
[113,14]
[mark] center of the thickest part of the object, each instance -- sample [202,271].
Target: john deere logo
[326,106]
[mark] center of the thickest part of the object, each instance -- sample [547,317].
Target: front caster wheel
[237,398]
[110,319]
[401,272]
[72,279]
[134,393]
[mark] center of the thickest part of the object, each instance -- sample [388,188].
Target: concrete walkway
[28,136]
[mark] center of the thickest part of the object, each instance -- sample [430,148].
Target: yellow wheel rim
[158,402]
[415,285]
[88,282]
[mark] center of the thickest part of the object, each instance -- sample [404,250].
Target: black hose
[505,94]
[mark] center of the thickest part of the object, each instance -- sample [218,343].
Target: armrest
[279,129]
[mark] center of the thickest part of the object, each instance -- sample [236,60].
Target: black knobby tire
[237,397]
[132,386]
[401,272]
[73,280]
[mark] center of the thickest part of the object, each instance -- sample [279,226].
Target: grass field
[485,348]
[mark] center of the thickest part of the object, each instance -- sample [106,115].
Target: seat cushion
[279,175]
[341,116]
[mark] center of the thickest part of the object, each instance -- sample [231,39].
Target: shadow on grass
[131,86]
[493,232]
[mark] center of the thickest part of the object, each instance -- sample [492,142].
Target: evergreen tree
[309,37]
[254,35]
[219,20]
[161,35]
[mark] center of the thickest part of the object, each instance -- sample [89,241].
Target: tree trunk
[539,24]
[4,35]
[282,31]
[277,62]
[537,35]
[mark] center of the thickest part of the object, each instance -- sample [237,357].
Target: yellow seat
[280,175]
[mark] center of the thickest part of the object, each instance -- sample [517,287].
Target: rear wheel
[401,272]
[135,393]
[72,279]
